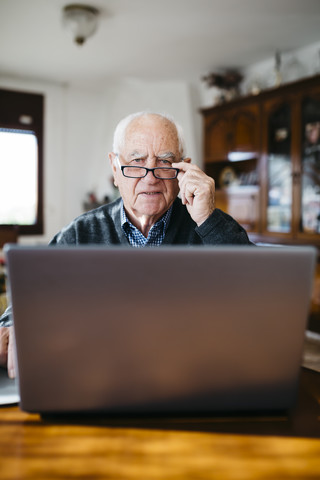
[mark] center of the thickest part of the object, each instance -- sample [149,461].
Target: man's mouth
[150,193]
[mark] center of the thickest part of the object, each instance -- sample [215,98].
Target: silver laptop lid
[164,329]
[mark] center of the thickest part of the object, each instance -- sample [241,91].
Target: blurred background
[142,54]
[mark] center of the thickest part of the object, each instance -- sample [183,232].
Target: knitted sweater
[103,226]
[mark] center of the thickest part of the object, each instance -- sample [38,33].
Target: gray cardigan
[103,226]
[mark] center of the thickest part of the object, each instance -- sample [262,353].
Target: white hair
[120,131]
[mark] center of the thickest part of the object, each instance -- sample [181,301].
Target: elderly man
[150,170]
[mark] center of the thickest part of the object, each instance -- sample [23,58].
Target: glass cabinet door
[310,166]
[279,171]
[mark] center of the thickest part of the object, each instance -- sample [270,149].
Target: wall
[303,62]
[79,127]
[296,64]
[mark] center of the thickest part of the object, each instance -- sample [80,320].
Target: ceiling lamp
[81,20]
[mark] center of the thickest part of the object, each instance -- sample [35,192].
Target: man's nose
[150,177]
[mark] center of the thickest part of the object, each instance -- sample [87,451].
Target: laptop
[170,330]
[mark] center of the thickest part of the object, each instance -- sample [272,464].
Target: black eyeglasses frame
[147,170]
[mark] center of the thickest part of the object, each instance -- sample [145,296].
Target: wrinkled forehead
[151,132]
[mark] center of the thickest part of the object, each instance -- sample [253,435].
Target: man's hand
[197,191]
[6,350]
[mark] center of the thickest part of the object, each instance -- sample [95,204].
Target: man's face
[150,141]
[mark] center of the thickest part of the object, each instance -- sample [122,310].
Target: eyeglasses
[164,173]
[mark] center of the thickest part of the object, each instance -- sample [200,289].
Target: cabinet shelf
[227,174]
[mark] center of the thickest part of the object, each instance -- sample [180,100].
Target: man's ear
[112,159]
[187,159]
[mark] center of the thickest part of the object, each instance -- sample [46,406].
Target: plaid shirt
[156,233]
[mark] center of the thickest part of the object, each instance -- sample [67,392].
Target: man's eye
[136,161]
[165,162]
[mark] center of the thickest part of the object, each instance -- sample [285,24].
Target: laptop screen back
[162,330]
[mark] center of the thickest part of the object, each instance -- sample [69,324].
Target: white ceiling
[151,39]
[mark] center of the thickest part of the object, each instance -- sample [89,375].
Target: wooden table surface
[278,447]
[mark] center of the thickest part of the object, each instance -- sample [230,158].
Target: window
[21,161]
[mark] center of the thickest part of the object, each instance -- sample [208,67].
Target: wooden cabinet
[290,165]
[275,139]
[231,149]
[241,203]
[229,130]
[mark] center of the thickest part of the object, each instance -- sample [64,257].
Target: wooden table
[277,447]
